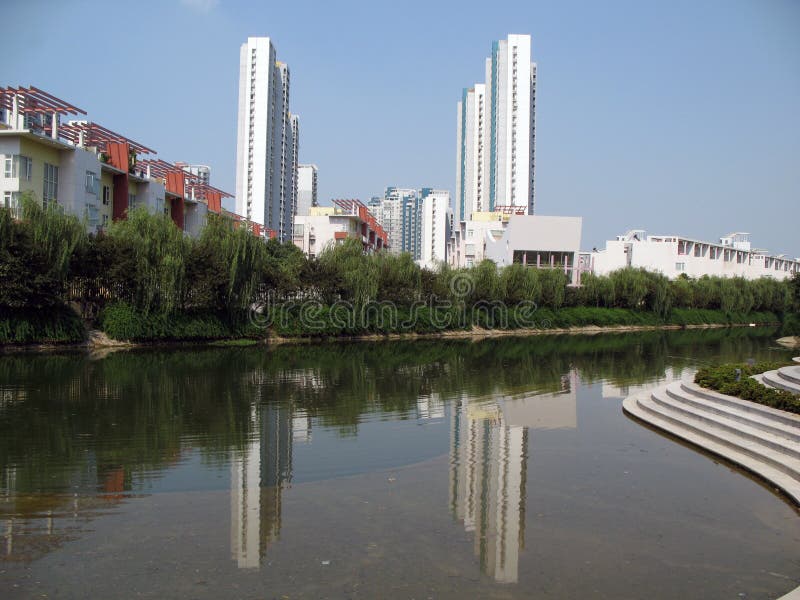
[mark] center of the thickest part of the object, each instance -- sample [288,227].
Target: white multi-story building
[497,132]
[325,226]
[306,188]
[267,140]
[435,227]
[674,255]
[507,237]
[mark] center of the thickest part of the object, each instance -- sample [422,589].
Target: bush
[123,322]
[52,325]
[722,378]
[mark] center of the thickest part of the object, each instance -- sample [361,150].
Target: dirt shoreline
[99,343]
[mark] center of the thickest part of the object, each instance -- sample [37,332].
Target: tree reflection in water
[80,434]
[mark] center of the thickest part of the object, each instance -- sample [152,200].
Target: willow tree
[160,250]
[56,235]
[245,258]
[354,274]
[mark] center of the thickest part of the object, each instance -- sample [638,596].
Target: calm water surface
[493,469]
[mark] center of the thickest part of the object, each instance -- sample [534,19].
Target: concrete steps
[785,378]
[763,440]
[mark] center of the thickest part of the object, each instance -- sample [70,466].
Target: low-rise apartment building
[90,171]
[328,225]
[675,255]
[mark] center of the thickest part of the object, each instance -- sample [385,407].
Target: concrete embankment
[757,438]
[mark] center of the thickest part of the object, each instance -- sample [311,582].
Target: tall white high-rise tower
[497,132]
[268,139]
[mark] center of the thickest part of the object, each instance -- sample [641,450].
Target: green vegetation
[144,280]
[723,378]
[52,325]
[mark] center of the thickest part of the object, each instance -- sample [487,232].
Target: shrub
[53,325]
[122,321]
[722,378]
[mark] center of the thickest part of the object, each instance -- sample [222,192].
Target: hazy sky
[678,116]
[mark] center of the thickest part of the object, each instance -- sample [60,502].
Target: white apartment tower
[471,182]
[306,188]
[435,227]
[267,141]
[496,133]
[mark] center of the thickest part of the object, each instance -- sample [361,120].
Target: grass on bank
[121,321]
[722,378]
[50,325]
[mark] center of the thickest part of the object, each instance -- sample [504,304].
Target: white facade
[531,240]
[674,255]
[497,132]
[306,188]
[435,226]
[471,181]
[267,140]
[325,226]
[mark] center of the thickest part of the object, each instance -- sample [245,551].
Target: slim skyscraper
[268,140]
[497,132]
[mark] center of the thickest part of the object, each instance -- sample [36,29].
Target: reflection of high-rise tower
[245,502]
[258,476]
[488,467]
[487,485]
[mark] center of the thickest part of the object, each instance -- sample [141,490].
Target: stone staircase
[763,440]
[785,378]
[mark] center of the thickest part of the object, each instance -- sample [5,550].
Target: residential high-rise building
[496,133]
[306,188]
[268,140]
[399,213]
[435,226]
[416,221]
[471,182]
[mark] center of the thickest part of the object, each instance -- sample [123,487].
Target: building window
[298,229]
[105,220]
[50,191]
[680,266]
[92,183]
[92,215]
[106,195]
[131,201]
[17,166]
[11,200]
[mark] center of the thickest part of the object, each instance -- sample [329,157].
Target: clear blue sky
[677,116]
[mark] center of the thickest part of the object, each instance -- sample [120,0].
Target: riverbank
[99,341]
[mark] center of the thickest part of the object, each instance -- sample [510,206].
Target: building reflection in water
[488,468]
[259,473]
